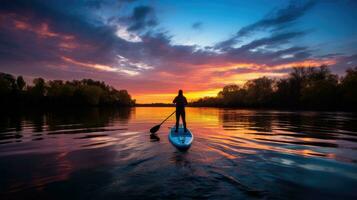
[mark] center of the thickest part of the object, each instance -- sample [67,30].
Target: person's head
[180,92]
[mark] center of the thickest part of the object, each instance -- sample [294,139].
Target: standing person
[180,102]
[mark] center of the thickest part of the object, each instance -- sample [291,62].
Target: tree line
[14,91]
[304,88]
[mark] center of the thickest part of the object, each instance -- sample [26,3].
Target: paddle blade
[154,129]
[154,137]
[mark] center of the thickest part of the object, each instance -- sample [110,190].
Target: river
[236,154]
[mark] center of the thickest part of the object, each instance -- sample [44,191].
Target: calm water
[247,154]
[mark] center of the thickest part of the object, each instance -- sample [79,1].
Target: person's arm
[175,100]
[185,101]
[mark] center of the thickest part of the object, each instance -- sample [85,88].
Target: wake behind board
[180,139]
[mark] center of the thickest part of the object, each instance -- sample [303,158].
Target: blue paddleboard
[181,140]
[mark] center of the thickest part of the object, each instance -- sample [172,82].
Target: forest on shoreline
[305,88]
[15,92]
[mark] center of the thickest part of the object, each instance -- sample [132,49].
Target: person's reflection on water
[181,159]
[180,101]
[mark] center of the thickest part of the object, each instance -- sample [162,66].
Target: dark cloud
[97,4]
[275,40]
[126,1]
[267,54]
[94,3]
[226,44]
[277,20]
[269,50]
[141,18]
[197,25]
[344,62]
[44,30]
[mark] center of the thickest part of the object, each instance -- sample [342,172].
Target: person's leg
[183,116]
[177,120]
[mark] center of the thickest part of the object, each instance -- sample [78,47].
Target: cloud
[197,26]
[123,33]
[98,4]
[42,38]
[276,20]
[268,50]
[141,18]
[94,3]
[275,40]
[101,46]
[343,63]
[281,17]
[40,32]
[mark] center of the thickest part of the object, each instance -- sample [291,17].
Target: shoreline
[83,107]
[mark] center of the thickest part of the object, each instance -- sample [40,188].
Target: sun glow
[168,97]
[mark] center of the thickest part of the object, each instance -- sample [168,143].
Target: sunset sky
[154,48]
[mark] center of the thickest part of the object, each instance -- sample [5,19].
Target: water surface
[246,154]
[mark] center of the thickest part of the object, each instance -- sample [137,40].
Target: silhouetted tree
[259,92]
[39,87]
[304,88]
[349,89]
[228,96]
[7,82]
[86,92]
[20,83]
[320,89]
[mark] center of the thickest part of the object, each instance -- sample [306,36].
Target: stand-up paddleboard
[180,139]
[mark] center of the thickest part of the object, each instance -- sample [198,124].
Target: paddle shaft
[167,117]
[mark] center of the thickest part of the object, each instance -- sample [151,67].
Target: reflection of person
[180,102]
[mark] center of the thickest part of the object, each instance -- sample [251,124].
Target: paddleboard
[181,140]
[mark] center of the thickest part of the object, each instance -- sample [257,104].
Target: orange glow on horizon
[263,67]
[228,77]
[305,63]
[168,97]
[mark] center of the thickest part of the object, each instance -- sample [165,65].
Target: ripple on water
[239,154]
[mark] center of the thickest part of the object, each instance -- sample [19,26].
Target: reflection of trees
[10,120]
[10,127]
[12,123]
[317,124]
[124,114]
[261,122]
[93,117]
[37,119]
[252,120]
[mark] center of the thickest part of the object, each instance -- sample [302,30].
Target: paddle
[157,127]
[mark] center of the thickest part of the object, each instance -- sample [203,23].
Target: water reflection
[293,130]
[108,153]
[35,124]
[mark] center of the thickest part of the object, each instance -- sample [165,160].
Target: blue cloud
[197,25]
[277,20]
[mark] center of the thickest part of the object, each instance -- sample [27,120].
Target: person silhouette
[180,101]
